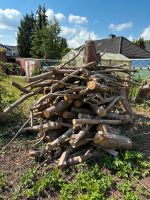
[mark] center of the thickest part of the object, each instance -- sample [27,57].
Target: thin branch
[16,135]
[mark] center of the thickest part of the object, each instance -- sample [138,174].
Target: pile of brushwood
[76,110]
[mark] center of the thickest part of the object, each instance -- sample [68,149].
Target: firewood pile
[76,110]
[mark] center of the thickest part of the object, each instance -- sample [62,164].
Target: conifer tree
[24,35]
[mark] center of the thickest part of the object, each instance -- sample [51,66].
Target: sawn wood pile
[77,115]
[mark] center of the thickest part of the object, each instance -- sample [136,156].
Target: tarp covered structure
[107,59]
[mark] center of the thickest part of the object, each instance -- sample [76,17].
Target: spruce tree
[40,24]
[140,42]
[24,35]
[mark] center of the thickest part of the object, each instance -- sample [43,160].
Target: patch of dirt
[15,160]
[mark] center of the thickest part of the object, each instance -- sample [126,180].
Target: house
[27,65]
[121,45]
[117,45]
[10,52]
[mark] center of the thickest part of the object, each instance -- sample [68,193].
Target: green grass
[12,93]
[88,181]
[17,116]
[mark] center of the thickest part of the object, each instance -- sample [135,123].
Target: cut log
[41,76]
[81,133]
[86,116]
[103,111]
[126,103]
[105,128]
[59,93]
[41,107]
[81,110]
[64,155]
[46,126]
[69,115]
[38,115]
[78,103]
[65,79]
[143,93]
[58,109]
[19,87]
[108,140]
[52,135]
[19,101]
[72,96]
[119,117]
[92,85]
[98,121]
[79,159]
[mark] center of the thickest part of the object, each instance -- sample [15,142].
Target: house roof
[13,49]
[4,47]
[121,45]
[147,46]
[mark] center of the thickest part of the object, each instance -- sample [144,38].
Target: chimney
[111,36]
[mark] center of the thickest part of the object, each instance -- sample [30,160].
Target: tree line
[39,38]
[141,42]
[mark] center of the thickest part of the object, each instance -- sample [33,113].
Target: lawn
[123,177]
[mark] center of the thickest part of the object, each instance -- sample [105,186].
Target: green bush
[2,89]
[37,70]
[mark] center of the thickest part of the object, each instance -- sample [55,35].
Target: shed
[107,59]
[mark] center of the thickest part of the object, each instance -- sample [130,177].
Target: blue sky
[81,19]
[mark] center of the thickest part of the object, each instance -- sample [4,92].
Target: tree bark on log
[81,110]
[46,126]
[58,109]
[41,76]
[126,102]
[64,155]
[81,133]
[119,117]
[109,140]
[19,87]
[71,96]
[69,115]
[105,128]
[98,121]
[103,111]
[79,159]
[19,101]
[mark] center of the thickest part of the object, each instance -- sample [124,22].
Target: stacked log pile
[78,111]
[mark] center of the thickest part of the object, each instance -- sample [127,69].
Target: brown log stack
[80,106]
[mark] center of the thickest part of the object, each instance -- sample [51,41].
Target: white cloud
[66,31]
[146,33]
[9,19]
[80,38]
[8,39]
[59,16]
[52,15]
[131,38]
[121,27]
[77,19]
